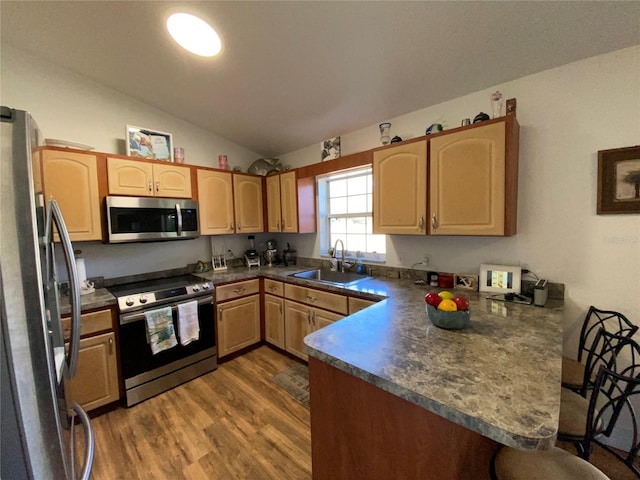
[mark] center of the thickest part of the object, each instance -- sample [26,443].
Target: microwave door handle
[71,362]
[89,443]
[179,217]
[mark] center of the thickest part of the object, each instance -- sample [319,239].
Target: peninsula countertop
[499,377]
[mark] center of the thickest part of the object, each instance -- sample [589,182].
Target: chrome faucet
[341,261]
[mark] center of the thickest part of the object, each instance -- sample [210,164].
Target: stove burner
[138,295]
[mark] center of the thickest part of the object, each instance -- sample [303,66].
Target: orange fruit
[446,295]
[447,305]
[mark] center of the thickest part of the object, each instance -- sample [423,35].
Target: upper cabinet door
[248,203]
[400,189]
[215,201]
[289,202]
[467,182]
[171,181]
[274,219]
[72,180]
[130,177]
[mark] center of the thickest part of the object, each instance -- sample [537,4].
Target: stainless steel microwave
[143,219]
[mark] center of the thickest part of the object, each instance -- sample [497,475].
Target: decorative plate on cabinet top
[52,142]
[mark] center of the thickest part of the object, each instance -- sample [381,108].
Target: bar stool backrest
[609,320]
[613,396]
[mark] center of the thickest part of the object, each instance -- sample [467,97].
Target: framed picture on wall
[619,181]
[330,149]
[147,143]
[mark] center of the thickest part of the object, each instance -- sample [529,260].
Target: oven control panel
[135,301]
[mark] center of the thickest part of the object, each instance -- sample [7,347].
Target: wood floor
[233,423]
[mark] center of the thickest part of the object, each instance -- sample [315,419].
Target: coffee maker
[251,256]
[271,253]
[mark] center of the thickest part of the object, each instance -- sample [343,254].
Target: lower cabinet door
[238,324]
[322,318]
[96,380]
[297,324]
[274,320]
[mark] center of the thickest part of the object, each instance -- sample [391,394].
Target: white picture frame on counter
[146,143]
[500,279]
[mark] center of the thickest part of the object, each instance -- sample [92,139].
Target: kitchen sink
[343,279]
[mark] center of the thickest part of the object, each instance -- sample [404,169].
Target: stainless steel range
[156,354]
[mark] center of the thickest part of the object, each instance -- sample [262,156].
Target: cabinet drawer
[89,323]
[317,298]
[273,287]
[236,290]
[356,304]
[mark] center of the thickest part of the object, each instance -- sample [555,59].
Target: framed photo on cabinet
[619,181]
[147,143]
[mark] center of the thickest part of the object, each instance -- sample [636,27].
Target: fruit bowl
[448,320]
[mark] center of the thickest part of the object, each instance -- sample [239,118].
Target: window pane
[338,225]
[377,243]
[357,204]
[357,185]
[357,225]
[338,205]
[357,243]
[337,188]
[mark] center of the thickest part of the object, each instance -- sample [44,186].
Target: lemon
[446,295]
[447,306]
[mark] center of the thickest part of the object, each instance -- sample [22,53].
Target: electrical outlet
[425,260]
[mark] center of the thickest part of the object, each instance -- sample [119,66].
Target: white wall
[72,107]
[566,115]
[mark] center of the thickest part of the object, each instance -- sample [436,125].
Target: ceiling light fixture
[194,34]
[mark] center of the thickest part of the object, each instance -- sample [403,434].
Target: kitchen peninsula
[393,396]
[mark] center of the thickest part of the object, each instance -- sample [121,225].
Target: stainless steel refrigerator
[38,437]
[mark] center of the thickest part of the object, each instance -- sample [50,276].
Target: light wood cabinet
[356,304]
[148,179]
[306,310]
[96,382]
[274,320]
[291,203]
[215,201]
[300,320]
[473,180]
[229,203]
[238,316]
[400,189]
[71,179]
[247,193]
[274,312]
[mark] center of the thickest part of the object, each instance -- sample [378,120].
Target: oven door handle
[140,315]
[179,217]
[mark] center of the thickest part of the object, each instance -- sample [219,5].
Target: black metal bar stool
[574,376]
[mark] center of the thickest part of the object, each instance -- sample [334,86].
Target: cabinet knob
[239,227]
[231,226]
[421,223]
[150,188]
[434,223]
[157,186]
[111,346]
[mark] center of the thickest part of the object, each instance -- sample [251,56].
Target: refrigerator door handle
[89,443]
[71,362]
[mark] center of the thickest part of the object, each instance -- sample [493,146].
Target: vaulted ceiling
[294,73]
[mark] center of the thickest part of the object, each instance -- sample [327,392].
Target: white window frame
[324,216]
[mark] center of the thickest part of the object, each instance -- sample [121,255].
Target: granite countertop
[499,377]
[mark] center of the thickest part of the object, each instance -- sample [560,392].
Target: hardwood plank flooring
[233,423]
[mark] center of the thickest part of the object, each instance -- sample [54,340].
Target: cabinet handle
[272,288]
[231,226]
[111,346]
[239,290]
[278,227]
[434,223]
[220,313]
[309,317]
[150,188]
[421,223]
[239,227]
[313,319]
[157,186]
[311,299]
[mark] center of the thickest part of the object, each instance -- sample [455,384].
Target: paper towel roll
[82,271]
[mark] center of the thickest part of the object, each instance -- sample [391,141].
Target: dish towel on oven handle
[160,332]
[188,327]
